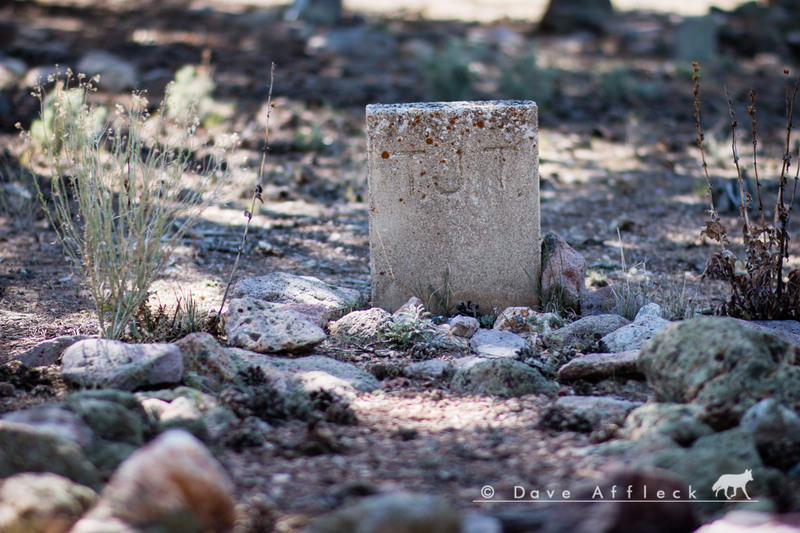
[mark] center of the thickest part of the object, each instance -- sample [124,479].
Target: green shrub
[192,96]
[447,74]
[521,78]
[136,194]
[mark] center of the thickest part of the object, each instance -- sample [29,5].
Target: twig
[751,109]
[743,196]
[700,138]
[256,194]
[714,228]
[781,212]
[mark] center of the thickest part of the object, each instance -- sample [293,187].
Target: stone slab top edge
[433,106]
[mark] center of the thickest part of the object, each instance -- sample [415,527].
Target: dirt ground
[619,173]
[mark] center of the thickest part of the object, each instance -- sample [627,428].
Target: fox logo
[735,481]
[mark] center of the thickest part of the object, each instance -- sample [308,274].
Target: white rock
[360,327]
[347,377]
[430,369]
[39,75]
[265,327]
[288,288]
[10,71]
[493,343]
[42,502]
[101,363]
[47,352]
[647,323]
[116,74]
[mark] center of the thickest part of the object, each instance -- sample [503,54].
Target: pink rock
[563,273]
[464,326]
[174,477]
[749,521]
[412,302]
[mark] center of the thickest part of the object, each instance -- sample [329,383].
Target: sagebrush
[123,192]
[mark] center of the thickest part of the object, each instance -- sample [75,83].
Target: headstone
[454,203]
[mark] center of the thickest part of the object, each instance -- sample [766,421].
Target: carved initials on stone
[446,173]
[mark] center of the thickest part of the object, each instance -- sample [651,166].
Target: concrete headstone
[454,203]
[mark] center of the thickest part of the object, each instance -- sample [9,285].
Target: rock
[602,301]
[585,413]
[288,288]
[788,330]
[360,327]
[327,12]
[48,352]
[577,15]
[25,448]
[357,43]
[500,377]
[430,369]
[681,423]
[728,452]
[38,75]
[584,334]
[171,484]
[494,343]
[526,320]
[110,419]
[56,421]
[647,323]
[472,522]
[597,366]
[206,361]
[11,70]
[696,39]
[721,366]
[649,514]
[747,521]
[345,376]
[107,524]
[118,422]
[43,502]
[116,74]
[563,273]
[412,302]
[464,326]
[776,431]
[267,328]
[101,363]
[399,512]
[186,408]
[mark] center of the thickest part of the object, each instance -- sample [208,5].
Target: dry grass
[123,192]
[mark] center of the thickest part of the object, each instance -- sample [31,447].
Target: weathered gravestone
[454,203]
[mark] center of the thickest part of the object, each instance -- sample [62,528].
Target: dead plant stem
[259,188]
